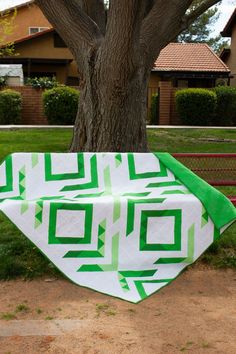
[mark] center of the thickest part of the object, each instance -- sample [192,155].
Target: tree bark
[112,111]
[111,117]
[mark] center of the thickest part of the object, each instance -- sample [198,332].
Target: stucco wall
[43,47]
[27,16]
[231,61]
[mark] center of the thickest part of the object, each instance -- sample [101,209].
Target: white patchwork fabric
[121,224]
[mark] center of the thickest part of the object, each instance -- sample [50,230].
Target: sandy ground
[194,314]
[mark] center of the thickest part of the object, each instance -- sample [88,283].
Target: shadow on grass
[19,257]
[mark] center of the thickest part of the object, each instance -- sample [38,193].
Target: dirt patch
[195,314]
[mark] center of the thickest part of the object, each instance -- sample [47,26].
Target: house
[189,65]
[42,52]
[29,20]
[38,47]
[183,65]
[228,55]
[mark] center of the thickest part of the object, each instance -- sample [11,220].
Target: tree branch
[191,17]
[95,9]
[161,26]
[73,25]
[147,6]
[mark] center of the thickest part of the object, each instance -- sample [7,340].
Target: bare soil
[195,314]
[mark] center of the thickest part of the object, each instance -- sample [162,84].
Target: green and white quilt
[122,224]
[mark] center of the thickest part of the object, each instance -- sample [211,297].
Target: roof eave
[227,31]
[30,37]
[225,53]
[190,71]
[16,7]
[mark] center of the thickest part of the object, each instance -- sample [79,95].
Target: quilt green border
[211,198]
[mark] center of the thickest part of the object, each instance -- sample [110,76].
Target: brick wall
[32,107]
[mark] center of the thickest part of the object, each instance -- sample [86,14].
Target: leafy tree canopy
[200,30]
[6,29]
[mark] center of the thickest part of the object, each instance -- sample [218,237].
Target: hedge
[61,105]
[196,106]
[154,110]
[10,107]
[226,106]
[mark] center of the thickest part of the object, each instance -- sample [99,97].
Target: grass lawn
[18,257]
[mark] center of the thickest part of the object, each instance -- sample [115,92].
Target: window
[182,83]
[33,30]
[72,81]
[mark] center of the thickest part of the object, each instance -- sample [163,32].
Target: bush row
[207,107]
[195,106]
[60,105]
[42,82]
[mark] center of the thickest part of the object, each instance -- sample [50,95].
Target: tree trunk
[115,51]
[111,115]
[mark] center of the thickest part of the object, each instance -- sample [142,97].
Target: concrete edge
[25,127]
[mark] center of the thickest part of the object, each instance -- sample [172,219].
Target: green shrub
[154,110]
[42,82]
[196,106]
[61,105]
[10,107]
[3,81]
[226,106]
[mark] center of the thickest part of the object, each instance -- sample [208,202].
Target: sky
[226,8]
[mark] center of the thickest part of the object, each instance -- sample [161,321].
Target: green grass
[34,141]
[191,140]
[19,258]
[22,308]
[8,316]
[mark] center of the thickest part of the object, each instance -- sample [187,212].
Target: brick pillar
[165,102]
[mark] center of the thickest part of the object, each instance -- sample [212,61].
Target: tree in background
[200,30]
[115,50]
[6,28]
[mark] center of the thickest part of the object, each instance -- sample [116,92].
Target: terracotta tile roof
[189,57]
